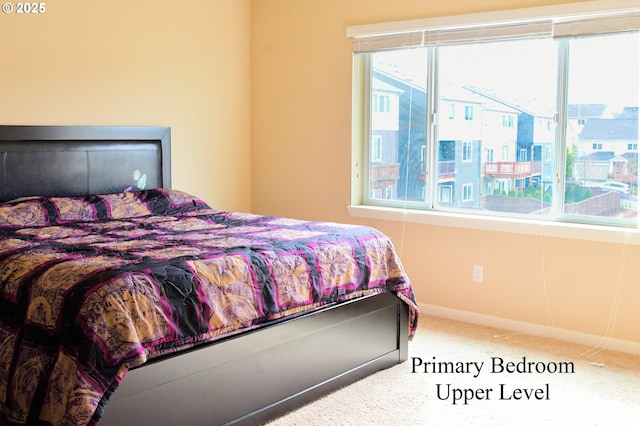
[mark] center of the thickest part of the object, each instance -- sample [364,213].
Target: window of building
[376,148]
[468,112]
[527,75]
[467,192]
[466,151]
[446,194]
[505,152]
[380,103]
[507,120]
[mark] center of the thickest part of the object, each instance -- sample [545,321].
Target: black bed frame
[238,380]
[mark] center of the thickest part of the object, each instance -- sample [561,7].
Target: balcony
[446,170]
[512,169]
[384,175]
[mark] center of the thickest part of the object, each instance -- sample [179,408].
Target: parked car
[623,188]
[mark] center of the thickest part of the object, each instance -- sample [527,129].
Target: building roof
[533,107]
[629,156]
[610,129]
[586,110]
[629,113]
[598,156]
[381,85]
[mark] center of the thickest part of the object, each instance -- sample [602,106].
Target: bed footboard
[257,376]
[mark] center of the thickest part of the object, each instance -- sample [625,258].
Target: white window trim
[468,112]
[467,152]
[540,228]
[579,231]
[465,187]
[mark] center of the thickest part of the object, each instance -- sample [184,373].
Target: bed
[126,302]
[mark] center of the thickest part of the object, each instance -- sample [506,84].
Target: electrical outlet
[477,274]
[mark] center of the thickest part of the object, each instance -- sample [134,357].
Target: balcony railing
[512,169]
[446,170]
[384,175]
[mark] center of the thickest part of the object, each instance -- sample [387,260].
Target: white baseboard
[532,329]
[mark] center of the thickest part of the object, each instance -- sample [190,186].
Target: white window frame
[505,153]
[489,156]
[445,193]
[467,192]
[468,112]
[494,22]
[522,155]
[376,148]
[467,152]
[382,103]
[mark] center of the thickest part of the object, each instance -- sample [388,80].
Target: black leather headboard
[81,160]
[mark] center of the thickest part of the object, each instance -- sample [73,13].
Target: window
[518,84]
[505,152]
[466,151]
[507,120]
[376,148]
[468,112]
[380,103]
[548,154]
[446,193]
[467,192]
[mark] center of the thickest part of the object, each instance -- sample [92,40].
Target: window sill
[500,224]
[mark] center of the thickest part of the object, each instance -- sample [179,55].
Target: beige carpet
[604,388]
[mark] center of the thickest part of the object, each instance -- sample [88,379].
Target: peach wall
[270,81]
[183,64]
[301,167]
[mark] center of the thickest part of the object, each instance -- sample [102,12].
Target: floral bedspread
[93,286]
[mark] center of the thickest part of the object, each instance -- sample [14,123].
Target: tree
[570,160]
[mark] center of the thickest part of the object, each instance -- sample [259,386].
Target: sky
[527,70]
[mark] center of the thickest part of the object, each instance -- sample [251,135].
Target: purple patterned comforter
[93,286]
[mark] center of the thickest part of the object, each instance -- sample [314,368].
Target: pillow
[21,214]
[44,211]
[170,202]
